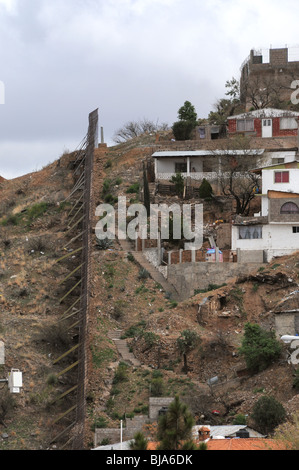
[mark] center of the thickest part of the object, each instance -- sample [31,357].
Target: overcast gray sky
[132,59]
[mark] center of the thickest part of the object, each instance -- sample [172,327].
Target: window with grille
[295,229]
[289,208]
[254,232]
[245,125]
[282,177]
[288,123]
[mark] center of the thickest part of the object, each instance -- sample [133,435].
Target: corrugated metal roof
[202,153]
[227,431]
[265,113]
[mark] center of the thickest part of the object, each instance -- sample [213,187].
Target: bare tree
[264,92]
[133,129]
[236,178]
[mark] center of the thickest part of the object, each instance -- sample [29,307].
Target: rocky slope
[33,234]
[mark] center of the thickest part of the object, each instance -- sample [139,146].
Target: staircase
[156,275]
[122,347]
[153,272]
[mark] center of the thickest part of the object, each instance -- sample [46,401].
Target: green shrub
[121,374]
[259,347]
[205,190]
[157,388]
[240,419]
[106,187]
[110,199]
[104,244]
[267,414]
[143,274]
[182,130]
[178,182]
[134,188]
[35,211]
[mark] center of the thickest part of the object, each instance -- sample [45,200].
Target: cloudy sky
[132,59]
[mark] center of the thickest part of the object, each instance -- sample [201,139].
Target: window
[181,167]
[254,232]
[288,123]
[277,161]
[289,208]
[245,125]
[267,122]
[202,132]
[281,177]
[295,229]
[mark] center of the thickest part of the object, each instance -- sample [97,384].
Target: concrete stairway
[153,272]
[122,347]
[156,275]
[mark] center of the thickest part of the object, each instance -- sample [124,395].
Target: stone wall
[275,207]
[190,276]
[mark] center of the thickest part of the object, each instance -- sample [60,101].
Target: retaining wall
[190,276]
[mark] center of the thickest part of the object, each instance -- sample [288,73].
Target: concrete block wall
[155,405]
[114,434]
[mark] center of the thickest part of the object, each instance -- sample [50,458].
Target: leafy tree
[233,89]
[186,342]
[139,442]
[259,347]
[188,113]
[175,426]
[267,414]
[223,108]
[183,128]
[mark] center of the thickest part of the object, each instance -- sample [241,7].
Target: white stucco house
[209,164]
[275,231]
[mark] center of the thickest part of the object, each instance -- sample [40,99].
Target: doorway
[266,127]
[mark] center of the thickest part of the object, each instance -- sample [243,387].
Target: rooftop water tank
[243,434]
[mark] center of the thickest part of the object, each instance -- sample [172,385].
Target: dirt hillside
[33,226]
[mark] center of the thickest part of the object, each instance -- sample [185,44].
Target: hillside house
[199,164]
[275,231]
[264,123]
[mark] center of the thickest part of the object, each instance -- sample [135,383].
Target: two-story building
[275,231]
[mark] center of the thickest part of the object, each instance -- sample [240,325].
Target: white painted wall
[268,181]
[278,240]
[167,165]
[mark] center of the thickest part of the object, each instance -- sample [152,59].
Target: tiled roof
[244,444]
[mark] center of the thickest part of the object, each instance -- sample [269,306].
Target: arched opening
[289,208]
